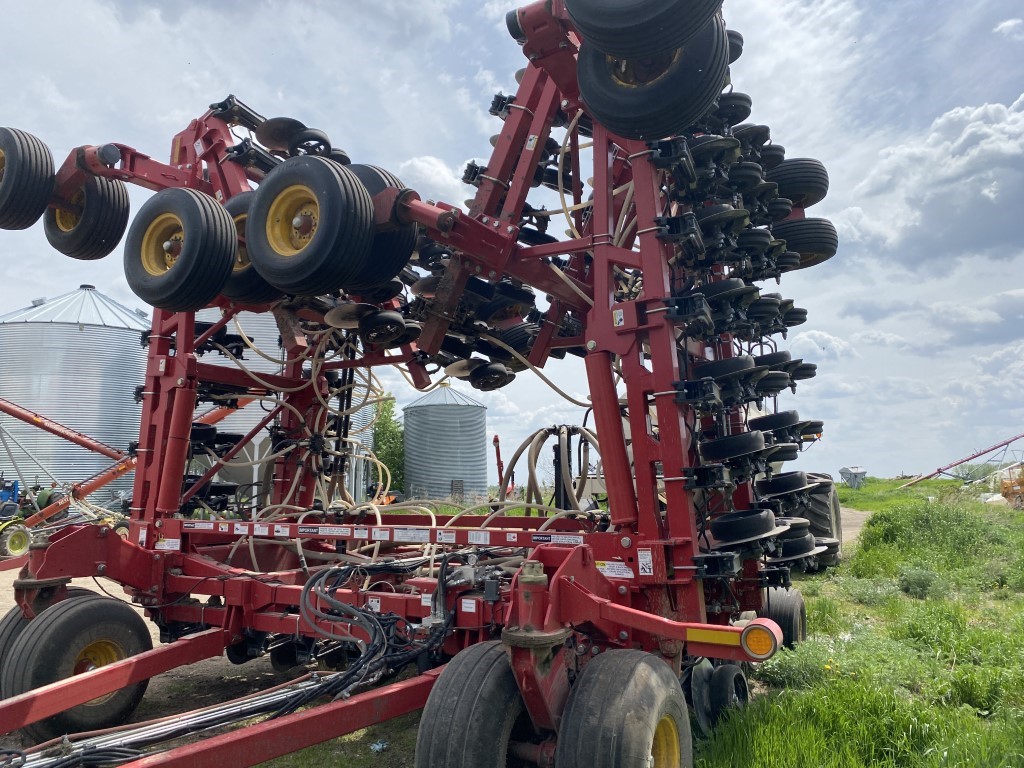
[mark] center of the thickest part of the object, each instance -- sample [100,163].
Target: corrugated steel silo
[446,446]
[76,359]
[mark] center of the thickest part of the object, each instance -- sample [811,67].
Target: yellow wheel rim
[665,748]
[18,542]
[97,654]
[241,253]
[162,243]
[292,220]
[68,220]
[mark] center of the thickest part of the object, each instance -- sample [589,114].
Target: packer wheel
[626,710]
[786,608]
[67,639]
[179,250]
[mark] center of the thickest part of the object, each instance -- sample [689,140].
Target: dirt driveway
[853,521]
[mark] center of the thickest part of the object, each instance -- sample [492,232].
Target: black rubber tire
[733,108]
[26,179]
[786,608]
[489,377]
[771,156]
[625,708]
[245,285]
[772,383]
[473,712]
[725,448]
[666,105]
[786,482]
[520,337]
[310,142]
[15,539]
[208,241]
[381,327]
[98,228]
[745,524]
[14,622]
[774,360]
[801,179]
[335,252]
[773,421]
[721,288]
[639,28]
[735,45]
[728,691]
[716,369]
[392,248]
[816,240]
[56,640]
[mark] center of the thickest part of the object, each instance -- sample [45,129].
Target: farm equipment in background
[519,625]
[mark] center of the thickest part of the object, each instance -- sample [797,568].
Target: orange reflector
[758,641]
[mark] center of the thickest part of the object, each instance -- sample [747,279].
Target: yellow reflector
[758,642]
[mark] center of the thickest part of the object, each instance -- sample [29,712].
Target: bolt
[153,589]
[622,589]
[623,635]
[101,569]
[496,224]
[486,219]
[595,650]
[180,382]
[565,103]
[591,345]
[510,230]
[625,541]
[492,273]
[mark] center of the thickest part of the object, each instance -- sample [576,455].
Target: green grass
[915,655]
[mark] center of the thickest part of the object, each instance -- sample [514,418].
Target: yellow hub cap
[665,748]
[18,541]
[68,220]
[161,244]
[241,253]
[292,220]
[97,654]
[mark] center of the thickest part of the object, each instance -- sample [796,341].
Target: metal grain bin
[446,446]
[76,359]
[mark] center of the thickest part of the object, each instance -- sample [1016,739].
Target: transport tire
[728,691]
[26,179]
[473,713]
[392,248]
[626,710]
[14,622]
[801,179]
[816,240]
[310,228]
[180,250]
[69,638]
[786,608]
[14,540]
[96,229]
[245,285]
[654,98]
[639,28]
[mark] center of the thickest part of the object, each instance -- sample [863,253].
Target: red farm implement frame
[679,568]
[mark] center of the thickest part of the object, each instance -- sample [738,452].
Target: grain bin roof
[86,306]
[444,395]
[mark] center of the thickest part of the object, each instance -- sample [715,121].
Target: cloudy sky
[915,107]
